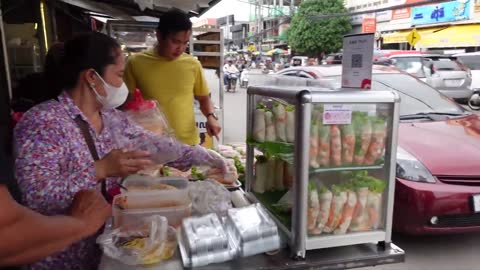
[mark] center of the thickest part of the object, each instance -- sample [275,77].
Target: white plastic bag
[145,242]
[209,197]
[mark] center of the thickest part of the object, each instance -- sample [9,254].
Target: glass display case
[323,163]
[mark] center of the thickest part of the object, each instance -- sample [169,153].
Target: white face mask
[116,96]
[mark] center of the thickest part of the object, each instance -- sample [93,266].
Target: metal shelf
[208,42]
[348,239]
[342,169]
[217,54]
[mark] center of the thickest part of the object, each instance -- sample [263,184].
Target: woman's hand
[90,208]
[119,163]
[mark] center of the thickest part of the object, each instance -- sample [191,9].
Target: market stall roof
[453,36]
[122,8]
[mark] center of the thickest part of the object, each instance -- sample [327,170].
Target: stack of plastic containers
[148,196]
[247,231]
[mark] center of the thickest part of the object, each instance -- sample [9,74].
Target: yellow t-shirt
[174,84]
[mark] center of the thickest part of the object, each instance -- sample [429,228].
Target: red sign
[403,13]
[369,25]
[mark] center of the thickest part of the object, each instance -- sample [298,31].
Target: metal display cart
[313,106]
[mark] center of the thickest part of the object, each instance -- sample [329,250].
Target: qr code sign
[357,60]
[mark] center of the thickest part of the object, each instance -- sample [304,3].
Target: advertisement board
[357,61]
[369,25]
[402,13]
[441,12]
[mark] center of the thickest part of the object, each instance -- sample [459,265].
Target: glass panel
[273,136]
[348,176]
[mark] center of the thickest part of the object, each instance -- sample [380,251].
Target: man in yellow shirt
[167,74]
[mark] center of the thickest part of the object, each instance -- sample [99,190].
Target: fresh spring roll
[259,125]
[270,135]
[270,177]
[313,207]
[336,209]
[314,145]
[360,215]
[348,144]
[325,198]
[363,134]
[335,146]
[377,145]
[288,175]
[280,115]
[374,202]
[347,213]
[290,123]
[261,171]
[279,174]
[323,145]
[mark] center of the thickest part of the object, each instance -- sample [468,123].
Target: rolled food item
[336,145]
[347,213]
[279,174]
[339,199]
[323,145]
[270,135]
[288,175]
[261,172]
[290,123]
[377,144]
[270,177]
[360,216]
[348,144]
[280,115]
[313,207]
[325,198]
[314,145]
[259,125]
[374,202]
[363,136]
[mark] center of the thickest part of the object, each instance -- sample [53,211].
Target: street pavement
[445,252]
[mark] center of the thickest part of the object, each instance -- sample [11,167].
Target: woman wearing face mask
[54,160]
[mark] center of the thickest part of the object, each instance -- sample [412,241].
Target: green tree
[313,36]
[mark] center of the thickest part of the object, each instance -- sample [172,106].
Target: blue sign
[441,12]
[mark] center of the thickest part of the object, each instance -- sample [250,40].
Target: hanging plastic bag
[147,113]
[145,242]
[218,200]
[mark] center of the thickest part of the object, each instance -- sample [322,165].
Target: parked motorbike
[232,81]
[474,100]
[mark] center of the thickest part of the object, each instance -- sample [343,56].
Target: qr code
[357,60]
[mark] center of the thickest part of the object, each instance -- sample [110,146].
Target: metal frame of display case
[299,241]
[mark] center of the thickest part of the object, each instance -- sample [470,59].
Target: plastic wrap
[144,242]
[218,199]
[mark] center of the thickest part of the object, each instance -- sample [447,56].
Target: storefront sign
[441,12]
[477,6]
[337,114]
[400,14]
[369,25]
[357,61]
[384,16]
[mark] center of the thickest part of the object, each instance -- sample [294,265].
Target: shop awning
[401,36]
[453,36]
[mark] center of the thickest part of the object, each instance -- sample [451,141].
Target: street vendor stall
[320,172]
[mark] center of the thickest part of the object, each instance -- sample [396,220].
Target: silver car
[472,61]
[441,72]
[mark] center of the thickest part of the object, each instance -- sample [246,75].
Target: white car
[472,61]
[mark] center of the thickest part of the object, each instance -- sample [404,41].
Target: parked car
[472,61]
[299,61]
[438,172]
[444,73]
[333,59]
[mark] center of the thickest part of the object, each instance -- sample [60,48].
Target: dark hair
[88,50]
[173,21]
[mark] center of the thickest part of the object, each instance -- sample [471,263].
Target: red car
[438,161]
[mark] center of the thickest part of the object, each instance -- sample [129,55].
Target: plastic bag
[145,242]
[162,148]
[147,113]
[218,199]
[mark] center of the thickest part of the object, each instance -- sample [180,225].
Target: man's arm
[28,236]
[129,78]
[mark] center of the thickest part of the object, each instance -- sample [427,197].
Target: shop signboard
[477,6]
[384,16]
[369,25]
[441,12]
[402,13]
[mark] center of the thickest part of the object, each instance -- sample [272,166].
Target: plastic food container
[203,241]
[252,230]
[155,185]
[129,207]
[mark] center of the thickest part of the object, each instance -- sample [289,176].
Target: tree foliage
[314,36]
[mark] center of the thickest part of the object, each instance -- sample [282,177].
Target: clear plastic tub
[252,230]
[155,185]
[127,208]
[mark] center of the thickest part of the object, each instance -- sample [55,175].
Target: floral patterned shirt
[54,163]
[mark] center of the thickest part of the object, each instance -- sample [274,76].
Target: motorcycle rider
[228,70]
